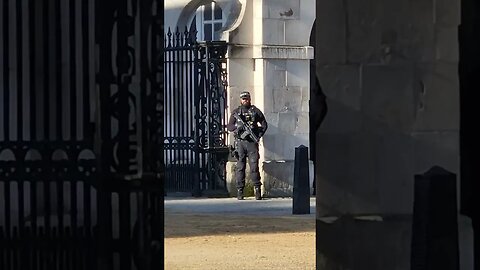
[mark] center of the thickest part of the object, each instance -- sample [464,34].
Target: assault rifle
[247,130]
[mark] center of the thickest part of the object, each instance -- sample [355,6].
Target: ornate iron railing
[195,113]
[81,134]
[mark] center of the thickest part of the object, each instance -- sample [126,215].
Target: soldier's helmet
[245,94]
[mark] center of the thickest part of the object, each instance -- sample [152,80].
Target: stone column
[269,56]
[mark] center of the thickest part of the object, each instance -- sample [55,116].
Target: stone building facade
[269,55]
[389,71]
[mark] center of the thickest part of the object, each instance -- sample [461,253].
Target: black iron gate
[81,128]
[195,114]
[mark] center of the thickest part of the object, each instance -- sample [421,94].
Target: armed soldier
[248,124]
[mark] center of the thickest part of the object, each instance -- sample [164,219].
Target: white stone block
[273,32]
[278,178]
[275,73]
[298,73]
[282,9]
[287,99]
[285,143]
[287,122]
[272,119]
[236,51]
[269,104]
[302,125]
[297,32]
[305,98]
[270,144]
[240,72]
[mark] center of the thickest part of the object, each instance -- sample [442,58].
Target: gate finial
[169,35]
[177,35]
[185,37]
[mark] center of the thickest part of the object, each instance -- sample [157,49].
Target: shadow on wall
[347,243]
[365,166]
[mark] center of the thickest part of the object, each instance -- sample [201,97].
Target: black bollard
[301,187]
[435,225]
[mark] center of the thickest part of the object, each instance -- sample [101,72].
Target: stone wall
[389,70]
[269,56]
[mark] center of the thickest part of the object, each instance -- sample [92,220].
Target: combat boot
[258,193]
[240,194]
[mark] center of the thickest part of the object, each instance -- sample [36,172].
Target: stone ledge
[283,52]
[270,51]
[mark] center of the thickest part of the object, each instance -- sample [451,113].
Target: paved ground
[232,206]
[225,233]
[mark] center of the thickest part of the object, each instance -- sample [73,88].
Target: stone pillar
[269,56]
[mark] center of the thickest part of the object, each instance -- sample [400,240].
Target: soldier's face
[245,101]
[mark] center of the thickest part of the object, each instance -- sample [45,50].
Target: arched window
[208,20]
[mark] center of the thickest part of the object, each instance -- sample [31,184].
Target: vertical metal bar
[176,95]
[69,249]
[21,205]
[19,71]
[207,96]
[46,193]
[191,117]
[156,57]
[184,100]
[124,219]
[58,71]
[73,205]
[31,47]
[8,208]
[86,71]
[41,257]
[197,63]
[87,205]
[33,217]
[145,21]
[73,75]
[7,218]
[59,249]
[166,98]
[123,93]
[2,249]
[169,109]
[46,59]
[105,230]
[6,75]
[59,182]
[172,117]
[181,99]
[14,247]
